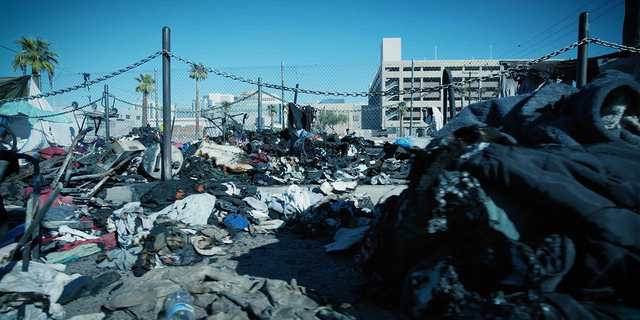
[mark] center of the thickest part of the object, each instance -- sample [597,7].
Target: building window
[431,69]
[416,68]
[406,69]
[454,68]
[128,117]
[431,80]
[137,117]
[468,68]
[391,81]
[491,68]
[392,69]
[457,79]
[431,99]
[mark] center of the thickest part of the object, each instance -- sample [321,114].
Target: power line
[565,18]
[9,49]
[569,33]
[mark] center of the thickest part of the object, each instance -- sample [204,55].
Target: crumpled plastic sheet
[43,278]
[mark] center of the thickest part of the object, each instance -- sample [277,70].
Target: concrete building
[395,73]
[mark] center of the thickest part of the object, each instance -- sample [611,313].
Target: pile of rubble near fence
[524,207]
[109,197]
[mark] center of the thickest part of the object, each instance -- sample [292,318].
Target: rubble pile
[519,208]
[107,198]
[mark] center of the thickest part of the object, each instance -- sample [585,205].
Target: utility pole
[411,108]
[469,93]
[282,96]
[259,103]
[469,84]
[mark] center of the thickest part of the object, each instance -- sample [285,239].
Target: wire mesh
[376,101]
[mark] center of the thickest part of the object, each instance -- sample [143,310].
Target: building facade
[381,113]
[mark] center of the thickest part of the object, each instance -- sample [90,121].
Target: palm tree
[146,87]
[462,91]
[198,72]
[226,105]
[273,109]
[35,54]
[402,109]
[481,92]
[496,92]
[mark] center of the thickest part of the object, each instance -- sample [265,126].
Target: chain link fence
[376,101]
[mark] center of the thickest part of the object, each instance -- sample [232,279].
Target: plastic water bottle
[178,306]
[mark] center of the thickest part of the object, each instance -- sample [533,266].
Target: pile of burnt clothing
[214,213]
[146,135]
[333,212]
[329,158]
[501,224]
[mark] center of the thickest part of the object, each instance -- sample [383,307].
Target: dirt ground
[284,255]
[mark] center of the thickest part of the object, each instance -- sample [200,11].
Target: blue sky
[104,36]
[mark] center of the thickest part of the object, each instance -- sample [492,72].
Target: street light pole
[411,117]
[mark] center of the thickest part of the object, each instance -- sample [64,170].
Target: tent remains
[35,123]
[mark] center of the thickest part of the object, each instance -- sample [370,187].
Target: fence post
[167,128]
[259,103]
[295,95]
[106,113]
[583,49]
[448,95]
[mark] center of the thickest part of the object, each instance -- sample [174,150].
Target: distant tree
[145,86]
[481,92]
[402,109]
[463,91]
[273,109]
[35,54]
[496,91]
[226,106]
[331,119]
[198,72]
